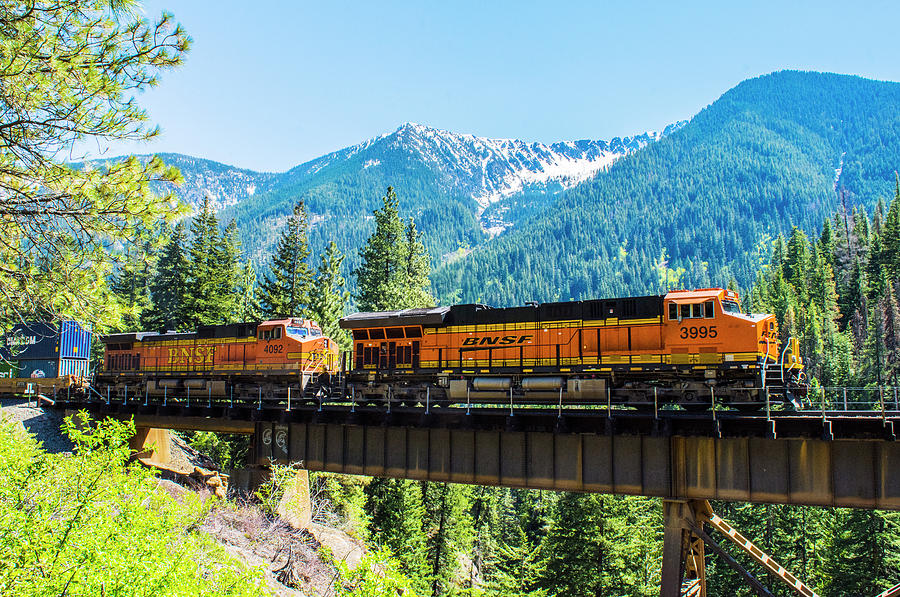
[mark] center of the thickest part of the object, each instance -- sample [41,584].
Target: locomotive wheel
[691,403]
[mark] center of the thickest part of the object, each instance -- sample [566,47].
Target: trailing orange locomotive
[246,361]
[686,347]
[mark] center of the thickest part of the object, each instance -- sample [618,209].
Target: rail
[825,403]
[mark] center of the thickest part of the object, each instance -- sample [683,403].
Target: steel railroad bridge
[835,458]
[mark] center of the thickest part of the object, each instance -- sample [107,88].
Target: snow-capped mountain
[222,184]
[488,170]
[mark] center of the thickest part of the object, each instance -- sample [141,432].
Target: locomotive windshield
[297,332]
[730,307]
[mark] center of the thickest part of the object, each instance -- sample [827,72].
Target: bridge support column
[684,565]
[151,445]
[295,506]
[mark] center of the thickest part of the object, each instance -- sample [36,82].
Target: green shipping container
[8,369]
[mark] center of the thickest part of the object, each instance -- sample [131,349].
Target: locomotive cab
[709,323]
[706,327]
[294,340]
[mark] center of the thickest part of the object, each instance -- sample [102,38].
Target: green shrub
[375,576]
[95,523]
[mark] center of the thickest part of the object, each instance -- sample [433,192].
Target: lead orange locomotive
[685,347]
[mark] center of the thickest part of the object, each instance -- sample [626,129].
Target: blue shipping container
[37,340]
[73,367]
[38,368]
[74,341]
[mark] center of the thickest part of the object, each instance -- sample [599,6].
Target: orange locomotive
[239,361]
[686,347]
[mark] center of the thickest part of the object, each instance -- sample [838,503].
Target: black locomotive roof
[231,330]
[639,307]
[374,319]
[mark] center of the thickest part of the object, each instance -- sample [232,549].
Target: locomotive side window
[413,333]
[691,310]
[376,334]
[394,332]
[360,335]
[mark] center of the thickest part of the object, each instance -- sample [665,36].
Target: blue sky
[270,84]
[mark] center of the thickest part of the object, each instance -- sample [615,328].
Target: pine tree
[380,288]
[286,290]
[826,243]
[446,531]
[169,285]
[578,555]
[131,285]
[396,517]
[247,307]
[72,73]
[212,270]
[230,272]
[417,269]
[891,240]
[328,299]
[851,562]
[394,269]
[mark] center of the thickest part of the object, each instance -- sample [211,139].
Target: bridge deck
[844,459]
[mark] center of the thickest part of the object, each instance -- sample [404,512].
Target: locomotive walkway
[841,458]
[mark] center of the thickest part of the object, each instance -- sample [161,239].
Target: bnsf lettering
[190,355]
[501,340]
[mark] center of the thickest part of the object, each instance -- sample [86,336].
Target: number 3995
[701,331]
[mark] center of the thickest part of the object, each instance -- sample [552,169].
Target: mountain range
[481,180]
[695,204]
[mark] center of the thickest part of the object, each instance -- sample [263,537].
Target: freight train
[689,348]
[684,347]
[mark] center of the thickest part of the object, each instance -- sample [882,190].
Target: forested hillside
[462,189]
[697,208]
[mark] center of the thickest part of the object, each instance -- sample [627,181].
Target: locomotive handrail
[787,345]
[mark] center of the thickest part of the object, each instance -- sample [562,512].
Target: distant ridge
[464,189]
[704,203]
